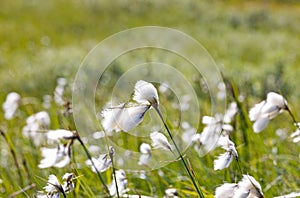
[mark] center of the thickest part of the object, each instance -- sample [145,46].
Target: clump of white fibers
[126,116]
[171,193]
[36,125]
[121,182]
[56,157]
[145,92]
[59,135]
[159,140]
[296,134]
[11,105]
[122,117]
[266,110]
[55,188]
[216,126]
[225,159]
[145,150]
[248,187]
[102,163]
[59,91]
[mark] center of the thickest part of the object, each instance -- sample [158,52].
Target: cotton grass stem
[292,116]
[13,153]
[177,149]
[90,158]
[114,171]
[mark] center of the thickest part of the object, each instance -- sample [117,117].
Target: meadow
[255,46]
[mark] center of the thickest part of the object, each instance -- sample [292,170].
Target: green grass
[256,46]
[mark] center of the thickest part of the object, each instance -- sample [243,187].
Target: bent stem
[93,164]
[180,155]
[292,115]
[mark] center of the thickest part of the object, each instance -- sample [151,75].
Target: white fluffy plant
[248,187]
[263,112]
[54,188]
[127,116]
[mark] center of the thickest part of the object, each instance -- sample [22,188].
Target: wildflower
[145,93]
[11,105]
[47,101]
[171,193]
[60,134]
[55,188]
[159,140]
[59,91]
[122,117]
[35,124]
[68,185]
[208,139]
[225,159]
[248,187]
[266,110]
[57,157]
[121,183]
[145,151]
[225,191]
[230,112]
[296,134]
[127,116]
[102,163]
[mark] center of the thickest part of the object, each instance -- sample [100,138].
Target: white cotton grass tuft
[225,191]
[171,193]
[102,164]
[215,127]
[121,183]
[160,141]
[122,118]
[127,116]
[54,188]
[36,125]
[296,135]
[248,187]
[266,110]
[11,105]
[59,91]
[145,150]
[145,93]
[55,157]
[59,135]
[225,159]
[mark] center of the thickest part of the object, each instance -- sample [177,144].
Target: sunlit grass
[256,46]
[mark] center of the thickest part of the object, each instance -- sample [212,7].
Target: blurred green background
[256,45]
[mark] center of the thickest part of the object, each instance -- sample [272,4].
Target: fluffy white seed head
[145,93]
[226,190]
[123,118]
[11,105]
[266,110]
[159,140]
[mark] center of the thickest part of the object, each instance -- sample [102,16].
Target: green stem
[292,116]
[180,155]
[114,170]
[13,153]
[90,158]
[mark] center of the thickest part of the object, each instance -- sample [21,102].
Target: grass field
[254,44]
